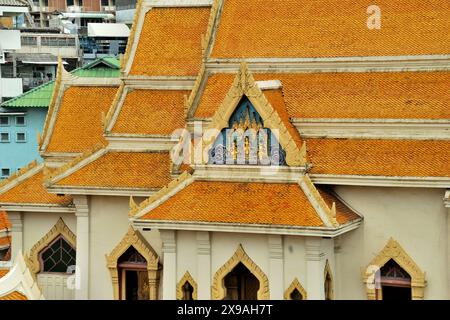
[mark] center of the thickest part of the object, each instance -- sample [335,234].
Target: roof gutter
[246,228]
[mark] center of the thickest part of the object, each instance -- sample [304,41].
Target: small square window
[20,121]
[4,137]
[4,121]
[20,137]
[5,172]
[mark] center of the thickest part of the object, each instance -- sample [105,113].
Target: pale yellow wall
[224,245]
[294,260]
[108,224]
[186,254]
[37,224]
[415,217]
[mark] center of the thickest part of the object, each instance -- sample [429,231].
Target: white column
[314,269]
[203,266]
[169,249]
[82,260]
[447,205]
[16,219]
[276,267]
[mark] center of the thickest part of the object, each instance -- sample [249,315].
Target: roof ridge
[48,176]
[330,213]
[106,119]
[51,106]
[33,164]
[134,209]
[131,37]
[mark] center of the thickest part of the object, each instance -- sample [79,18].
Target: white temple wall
[415,217]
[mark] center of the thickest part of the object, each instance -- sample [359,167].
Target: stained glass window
[57,256]
[246,140]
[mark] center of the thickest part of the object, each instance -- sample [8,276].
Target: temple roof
[394,95]
[78,121]
[146,111]
[115,169]
[331,28]
[247,203]
[15,295]
[28,188]
[170,42]
[4,221]
[413,158]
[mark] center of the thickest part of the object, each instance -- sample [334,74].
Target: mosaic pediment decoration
[246,141]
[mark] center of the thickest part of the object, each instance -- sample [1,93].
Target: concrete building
[250,150]
[22,118]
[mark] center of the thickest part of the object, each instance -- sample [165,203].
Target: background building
[22,118]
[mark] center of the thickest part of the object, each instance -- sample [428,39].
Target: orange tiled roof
[32,190]
[420,95]
[240,202]
[4,221]
[3,272]
[78,124]
[5,241]
[379,157]
[170,42]
[14,296]
[151,112]
[123,169]
[276,99]
[331,28]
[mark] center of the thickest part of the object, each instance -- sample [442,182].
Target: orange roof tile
[4,221]
[343,213]
[379,157]
[170,42]
[123,169]
[78,124]
[14,296]
[414,95]
[32,191]
[5,241]
[3,272]
[239,202]
[151,112]
[331,28]
[276,99]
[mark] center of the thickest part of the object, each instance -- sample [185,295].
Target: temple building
[252,149]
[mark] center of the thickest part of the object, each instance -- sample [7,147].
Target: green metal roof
[39,97]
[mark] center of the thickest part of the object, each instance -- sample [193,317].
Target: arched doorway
[396,267]
[127,264]
[241,284]
[187,288]
[395,282]
[228,270]
[133,276]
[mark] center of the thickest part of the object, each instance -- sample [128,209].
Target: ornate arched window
[295,291]
[57,256]
[187,288]
[246,141]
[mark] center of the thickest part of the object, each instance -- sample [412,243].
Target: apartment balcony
[64,45]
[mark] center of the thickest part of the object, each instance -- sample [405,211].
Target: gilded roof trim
[113,112]
[20,176]
[133,39]
[162,195]
[51,177]
[244,84]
